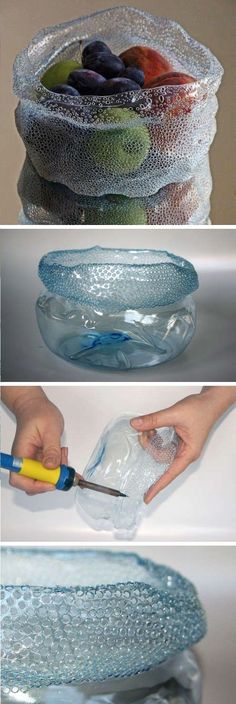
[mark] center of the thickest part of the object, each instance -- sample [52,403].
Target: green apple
[58,73]
[117,210]
[119,150]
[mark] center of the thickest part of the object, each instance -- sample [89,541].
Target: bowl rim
[21,88]
[70,553]
[57,277]
[53,257]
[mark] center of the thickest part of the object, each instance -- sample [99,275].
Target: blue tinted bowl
[82,616]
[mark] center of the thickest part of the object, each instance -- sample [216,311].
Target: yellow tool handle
[35,470]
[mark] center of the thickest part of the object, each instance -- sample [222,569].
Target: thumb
[51,452]
[153,420]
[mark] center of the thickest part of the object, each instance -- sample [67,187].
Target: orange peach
[177,103]
[149,60]
[172,78]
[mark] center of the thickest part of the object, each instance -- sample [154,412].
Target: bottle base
[122,353]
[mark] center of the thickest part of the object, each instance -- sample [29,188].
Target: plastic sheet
[130,462]
[131,144]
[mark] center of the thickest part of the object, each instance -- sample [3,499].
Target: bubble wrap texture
[130,462]
[56,634]
[124,340]
[179,676]
[118,279]
[132,144]
[47,203]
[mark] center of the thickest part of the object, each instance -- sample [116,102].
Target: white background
[199,505]
[211,354]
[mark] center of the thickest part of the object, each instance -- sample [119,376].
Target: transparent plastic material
[125,460]
[132,143]
[47,203]
[177,681]
[124,340]
[116,308]
[72,617]
[116,279]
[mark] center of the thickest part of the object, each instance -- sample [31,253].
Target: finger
[152,420]
[30,486]
[24,448]
[145,437]
[51,441]
[64,455]
[178,466]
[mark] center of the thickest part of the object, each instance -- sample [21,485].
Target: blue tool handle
[62,476]
[7,462]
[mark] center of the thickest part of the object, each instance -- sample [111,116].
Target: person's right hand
[38,436]
[192,418]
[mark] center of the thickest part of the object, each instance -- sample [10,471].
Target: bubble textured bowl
[116,308]
[176,681]
[117,279]
[47,203]
[134,143]
[85,616]
[130,462]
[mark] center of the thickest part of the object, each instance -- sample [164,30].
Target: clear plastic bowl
[132,143]
[116,308]
[86,616]
[47,203]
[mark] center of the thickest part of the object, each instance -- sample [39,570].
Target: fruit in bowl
[85,81]
[134,74]
[177,103]
[173,78]
[118,210]
[176,204]
[103,73]
[64,89]
[117,85]
[57,74]
[150,61]
[119,150]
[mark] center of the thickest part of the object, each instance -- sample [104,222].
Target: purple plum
[85,81]
[134,74]
[95,47]
[64,89]
[117,85]
[108,65]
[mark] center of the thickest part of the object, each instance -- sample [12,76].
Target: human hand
[39,428]
[192,418]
